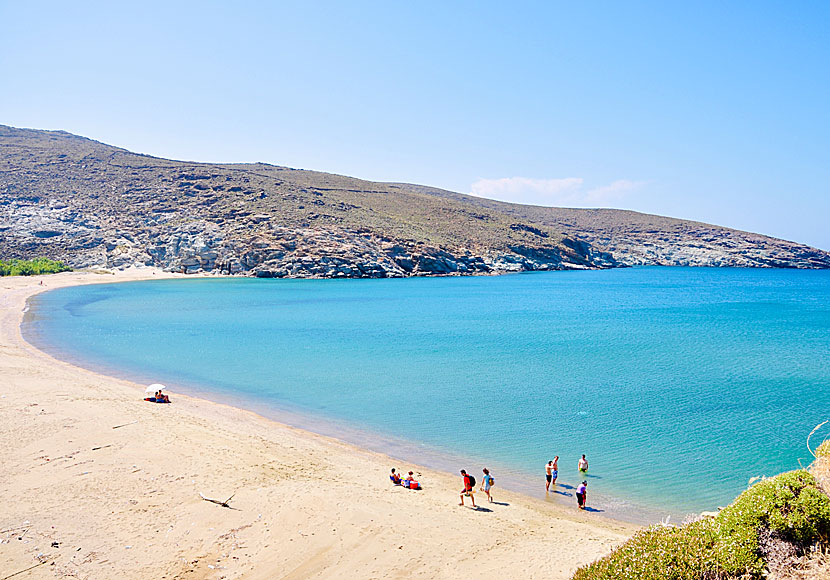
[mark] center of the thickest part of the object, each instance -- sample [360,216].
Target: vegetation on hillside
[31,267]
[786,514]
[93,204]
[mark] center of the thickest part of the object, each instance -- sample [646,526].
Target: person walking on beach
[469,491]
[583,465]
[582,494]
[487,483]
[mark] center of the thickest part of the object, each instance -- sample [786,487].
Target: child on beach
[468,491]
[487,483]
[582,494]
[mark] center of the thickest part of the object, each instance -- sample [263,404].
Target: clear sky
[715,111]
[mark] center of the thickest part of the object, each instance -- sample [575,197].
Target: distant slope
[74,199]
[639,239]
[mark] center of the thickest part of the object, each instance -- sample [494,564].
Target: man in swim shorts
[583,465]
[548,474]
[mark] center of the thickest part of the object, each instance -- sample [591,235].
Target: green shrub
[790,504]
[659,552]
[727,546]
[31,267]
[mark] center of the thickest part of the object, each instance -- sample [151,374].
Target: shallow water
[679,384]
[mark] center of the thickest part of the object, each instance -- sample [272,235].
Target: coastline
[426,455]
[127,502]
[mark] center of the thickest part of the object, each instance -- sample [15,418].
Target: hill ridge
[87,203]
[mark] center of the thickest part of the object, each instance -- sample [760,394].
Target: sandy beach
[98,484]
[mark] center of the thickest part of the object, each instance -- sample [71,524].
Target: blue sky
[715,111]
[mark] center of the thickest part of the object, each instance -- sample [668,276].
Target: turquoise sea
[679,384]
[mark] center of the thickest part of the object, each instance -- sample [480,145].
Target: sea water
[679,384]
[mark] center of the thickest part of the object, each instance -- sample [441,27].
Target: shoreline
[364,437]
[171,453]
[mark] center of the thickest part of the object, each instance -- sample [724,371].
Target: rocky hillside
[90,204]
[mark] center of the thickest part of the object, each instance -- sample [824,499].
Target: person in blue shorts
[554,473]
[487,483]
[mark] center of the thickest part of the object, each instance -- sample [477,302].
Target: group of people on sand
[487,482]
[552,472]
[158,398]
[408,482]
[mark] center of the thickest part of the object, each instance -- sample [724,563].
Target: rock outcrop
[92,205]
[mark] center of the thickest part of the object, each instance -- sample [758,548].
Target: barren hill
[90,204]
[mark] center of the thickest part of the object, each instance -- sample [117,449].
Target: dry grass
[816,428]
[814,566]
[821,466]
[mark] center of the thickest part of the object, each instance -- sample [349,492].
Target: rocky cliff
[90,204]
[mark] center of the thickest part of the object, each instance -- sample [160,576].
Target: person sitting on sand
[583,465]
[395,477]
[487,483]
[410,482]
[582,494]
[162,398]
[468,491]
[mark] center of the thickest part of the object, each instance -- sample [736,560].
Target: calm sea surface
[679,384]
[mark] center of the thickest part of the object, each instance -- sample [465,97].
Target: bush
[659,552]
[31,267]
[791,505]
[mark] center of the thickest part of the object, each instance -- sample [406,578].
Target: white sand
[305,506]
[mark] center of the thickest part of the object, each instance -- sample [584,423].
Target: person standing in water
[554,473]
[548,474]
[582,494]
[583,465]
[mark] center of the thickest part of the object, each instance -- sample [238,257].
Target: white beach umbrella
[154,388]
